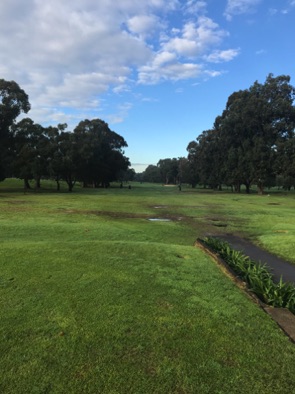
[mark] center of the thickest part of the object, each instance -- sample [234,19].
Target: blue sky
[157,71]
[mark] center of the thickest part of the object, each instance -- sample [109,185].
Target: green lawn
[95,298]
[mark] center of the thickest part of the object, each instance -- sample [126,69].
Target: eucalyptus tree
[193,161]
[185,173]
[252,125]
[205,155]
[285,163]
[100,152]
[66,159]
[13,101]
[168,170]
[30,151]
[56,151]
[152,174]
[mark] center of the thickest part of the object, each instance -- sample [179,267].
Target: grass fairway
[95,298]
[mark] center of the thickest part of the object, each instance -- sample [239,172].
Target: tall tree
[168,170]
[55,152]
[193,161]
[100,152]
[185,174]
[285,163]
[30,151]
[66,160]
[13,101]
[254,122]
[152,174]
[205,156]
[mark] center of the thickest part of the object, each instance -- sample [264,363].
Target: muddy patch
[117,215]
[159,220]
[125,215]
[167,219]
[216,221]
[177,206]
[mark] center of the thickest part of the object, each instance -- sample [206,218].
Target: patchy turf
[95,298]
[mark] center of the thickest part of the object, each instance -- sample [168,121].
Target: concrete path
[283,317]
[278,267]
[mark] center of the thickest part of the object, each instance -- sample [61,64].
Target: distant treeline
[91,154]
[251,143]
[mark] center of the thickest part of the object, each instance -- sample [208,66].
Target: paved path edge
[282,316]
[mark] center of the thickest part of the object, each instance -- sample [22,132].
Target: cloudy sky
[157,71]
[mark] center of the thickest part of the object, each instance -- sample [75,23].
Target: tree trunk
[260,187]
[237,187]
[26,184]
[247,184]
[37,182]
[70,183]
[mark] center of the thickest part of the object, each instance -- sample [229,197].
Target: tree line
[251,143]
[92,153]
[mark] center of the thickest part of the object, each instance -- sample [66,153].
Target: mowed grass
[95,298]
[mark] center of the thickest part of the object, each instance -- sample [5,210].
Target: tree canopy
[92,154]
[252,141]
[13,101]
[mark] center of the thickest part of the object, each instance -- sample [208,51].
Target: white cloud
[121,114]
[152,74]
[220,56]
[164,58]
[181,54]
[196,7]
[213,73]
[238,7]
[261,52]
[66,55]
[283,11]
[195,38]
[144,25]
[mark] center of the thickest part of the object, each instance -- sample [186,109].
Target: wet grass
[95,298]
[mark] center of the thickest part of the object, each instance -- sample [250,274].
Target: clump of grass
[256,275]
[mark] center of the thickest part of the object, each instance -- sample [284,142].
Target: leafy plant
[256,275]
